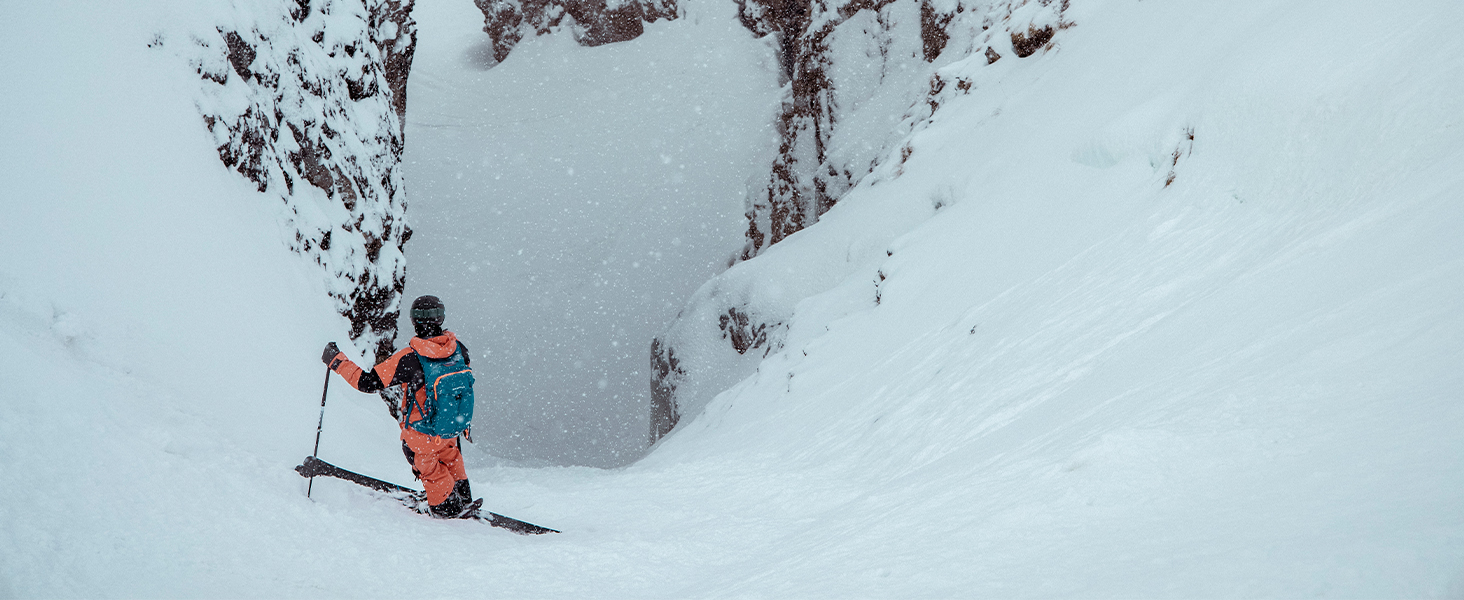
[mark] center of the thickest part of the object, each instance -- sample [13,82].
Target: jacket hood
[438,347]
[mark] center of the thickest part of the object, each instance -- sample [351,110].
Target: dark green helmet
[428,309]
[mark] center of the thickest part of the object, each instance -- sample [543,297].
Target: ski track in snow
[1077,382]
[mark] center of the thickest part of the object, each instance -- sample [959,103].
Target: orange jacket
[403,369]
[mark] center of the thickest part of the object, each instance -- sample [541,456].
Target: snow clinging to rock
[308,101]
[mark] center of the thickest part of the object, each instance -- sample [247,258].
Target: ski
[413,499]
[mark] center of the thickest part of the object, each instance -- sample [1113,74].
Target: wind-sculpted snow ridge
[592,22]
[850,67]
[308,101]
[862,78]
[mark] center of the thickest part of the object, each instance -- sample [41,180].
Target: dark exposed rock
[991,55]
[800,185]
[1026,43]
[745,333]
[397,53]
[593,22]
[241,55]
[933,30]
[325,108]
[666,373]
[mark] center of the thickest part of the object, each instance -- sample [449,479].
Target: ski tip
[310,467]
[515,525]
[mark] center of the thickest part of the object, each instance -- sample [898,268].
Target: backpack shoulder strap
[411,383]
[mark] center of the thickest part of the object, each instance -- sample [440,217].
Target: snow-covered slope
[859,78]
[1076,380]
[1171,308]
[157,338]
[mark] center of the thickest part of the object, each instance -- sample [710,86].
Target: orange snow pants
[438,463]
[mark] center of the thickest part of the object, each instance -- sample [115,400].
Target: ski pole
[318,425]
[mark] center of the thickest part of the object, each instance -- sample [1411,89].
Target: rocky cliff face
[841,58]
[593,22]
[861,78]
[307,100]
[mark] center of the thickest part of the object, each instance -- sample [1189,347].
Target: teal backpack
[449,391]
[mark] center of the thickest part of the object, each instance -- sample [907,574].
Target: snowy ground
[1077,382]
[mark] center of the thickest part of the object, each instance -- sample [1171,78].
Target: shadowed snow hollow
[568,200]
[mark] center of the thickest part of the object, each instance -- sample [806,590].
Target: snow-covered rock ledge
[591,22]
[307,100]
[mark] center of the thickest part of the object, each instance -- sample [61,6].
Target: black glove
[330,352]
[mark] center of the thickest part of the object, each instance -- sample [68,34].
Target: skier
[436,459]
